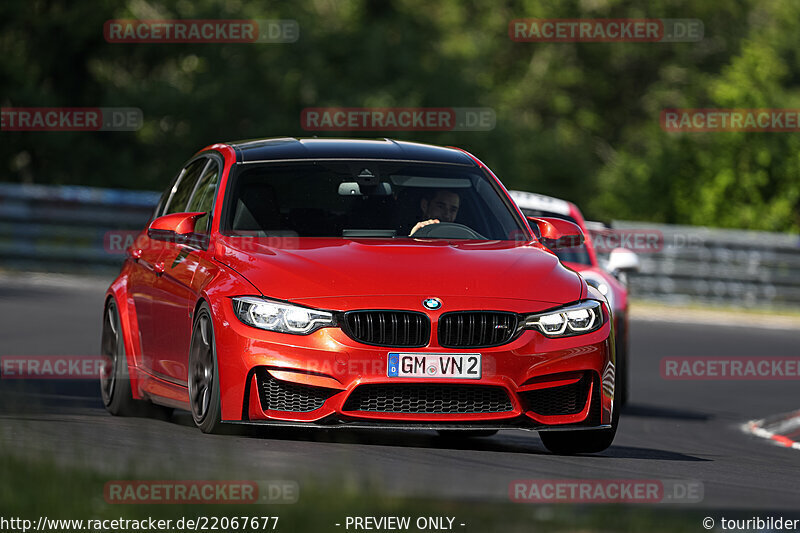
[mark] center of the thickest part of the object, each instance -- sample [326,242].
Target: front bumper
[328,379]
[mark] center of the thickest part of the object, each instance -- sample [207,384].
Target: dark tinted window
[329,200]
[182,190]
[203,196]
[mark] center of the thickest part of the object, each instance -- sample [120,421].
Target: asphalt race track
[672,430]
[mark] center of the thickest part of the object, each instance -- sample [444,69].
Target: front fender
[130,325]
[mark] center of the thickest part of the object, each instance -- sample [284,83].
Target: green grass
[41,487]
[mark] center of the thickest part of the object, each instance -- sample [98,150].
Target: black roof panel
[292,148]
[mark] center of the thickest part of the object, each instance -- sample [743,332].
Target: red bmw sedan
[358,283]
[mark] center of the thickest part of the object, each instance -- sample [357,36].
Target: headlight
[281,317]
[575,319]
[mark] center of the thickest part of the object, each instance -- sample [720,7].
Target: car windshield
[361,199]
[575,254]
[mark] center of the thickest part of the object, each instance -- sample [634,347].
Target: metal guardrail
[65,228]
[717,266]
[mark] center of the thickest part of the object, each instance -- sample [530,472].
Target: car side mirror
[555,233]
[622,260]
[177,227]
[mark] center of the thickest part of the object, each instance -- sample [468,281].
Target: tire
[204,396]
[465,434]
[115,384]
[582,441]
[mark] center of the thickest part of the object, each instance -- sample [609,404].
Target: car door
[172,310]
[141,286]
[145,253]
[153,331]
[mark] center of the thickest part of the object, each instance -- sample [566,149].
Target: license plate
[434,365]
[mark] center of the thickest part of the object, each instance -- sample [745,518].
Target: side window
[179,195]
[203,196]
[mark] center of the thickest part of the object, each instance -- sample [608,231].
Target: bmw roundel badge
[432,303]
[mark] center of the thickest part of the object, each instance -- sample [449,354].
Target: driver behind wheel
[439,205]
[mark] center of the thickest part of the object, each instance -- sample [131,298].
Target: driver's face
[443,206]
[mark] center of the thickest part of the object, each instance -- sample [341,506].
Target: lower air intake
[566,400]
[429,399]
[278,395]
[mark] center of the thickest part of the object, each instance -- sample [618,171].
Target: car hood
[309,269]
